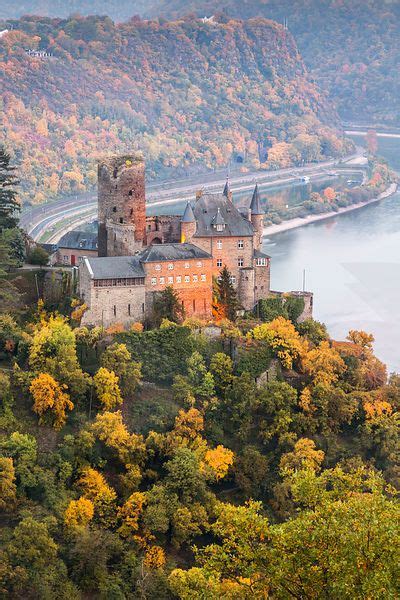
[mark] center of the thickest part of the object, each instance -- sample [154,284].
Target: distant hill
[352,47]
[117,9]
[184,92]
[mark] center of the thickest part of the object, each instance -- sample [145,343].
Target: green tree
[7,484]
[38,256]
[22,448]
[9,205]
[167,305]
[226,294]
[221,368]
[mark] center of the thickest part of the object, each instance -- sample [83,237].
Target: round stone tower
[122,205]
[246,288]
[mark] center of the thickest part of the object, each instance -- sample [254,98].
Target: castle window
[219,262]
[162,280]
[129,309]
[233,280]
[187,278]
[240,262]
[131,212]
[220,227]
[115,311]
[261,262]
[153,281]
[143,307]
[114,209]
[199,264]
[170,266]
[115,173]
[170,280]
[158,267]
[121,220]
[130,193]
[194,305]
[178,279]
[187,265]
[195,278]
[203,277]
[240,244]
[219,244]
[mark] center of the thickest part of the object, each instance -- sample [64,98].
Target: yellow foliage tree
[217,461]
[79,513]
[95,487]
[283,338]
[49,395]
[110,429]
[324,364]
[154,558]
[303,456]
[107,388]
[130,513]
[8,488]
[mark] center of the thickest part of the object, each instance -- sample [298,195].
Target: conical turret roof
[255,202]
[227,188]
[218,219]
[188,215]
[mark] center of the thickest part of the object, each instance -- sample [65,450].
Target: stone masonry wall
[229,253]
[122,203]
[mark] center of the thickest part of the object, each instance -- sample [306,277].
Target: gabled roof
[255,202]
[166,252]
[78,240]
[259,254]
[188,216]
[206,210]
[112,267]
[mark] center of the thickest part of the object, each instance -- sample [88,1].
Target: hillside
[351,47]
[117,9]
[183,92]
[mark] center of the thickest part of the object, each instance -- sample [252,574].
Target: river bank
[301,221]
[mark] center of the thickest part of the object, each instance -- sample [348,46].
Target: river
[352,265]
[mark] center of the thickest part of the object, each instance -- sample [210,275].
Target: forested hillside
[117,9]
[352,47]
[182,92]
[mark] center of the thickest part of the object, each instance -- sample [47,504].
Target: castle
[139,256]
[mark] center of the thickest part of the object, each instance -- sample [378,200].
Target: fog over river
[352,265]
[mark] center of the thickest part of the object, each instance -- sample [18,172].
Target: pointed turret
[188,224]
[257,218]
[227,190]
[188,215]
[255,202]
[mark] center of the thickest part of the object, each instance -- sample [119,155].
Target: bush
[38,256]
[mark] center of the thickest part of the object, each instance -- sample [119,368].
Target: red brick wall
[196,293]
[229,253]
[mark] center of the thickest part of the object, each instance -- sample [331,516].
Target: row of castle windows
[240,244]
[129,310]
[178,279]
[121,281]
[171,266]
[261,262]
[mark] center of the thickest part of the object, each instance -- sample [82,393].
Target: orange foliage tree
[49,395]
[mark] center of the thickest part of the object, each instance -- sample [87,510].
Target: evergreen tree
[226,293]
[9,205]
[167,305]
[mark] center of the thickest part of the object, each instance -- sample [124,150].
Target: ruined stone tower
[122,205]
[257,218]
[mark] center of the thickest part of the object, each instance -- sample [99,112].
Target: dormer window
[220,227]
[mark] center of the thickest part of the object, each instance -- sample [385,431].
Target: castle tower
[188,224]
[122,205]
[227,190]
[257,218]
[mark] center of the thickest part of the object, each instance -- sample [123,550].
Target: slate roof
[227,189]
[188,216]
[78,240]
[218,219]
[259,254]
[111,267]
[205,211]
[255,202]
[164,252]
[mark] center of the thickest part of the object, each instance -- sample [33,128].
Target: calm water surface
[352,265]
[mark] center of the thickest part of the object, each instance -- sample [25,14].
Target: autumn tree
[7,484]
[283,338]
[106,385]
[323,364]
[372,141]
[118,359]
[9,205]
[217,461]
[110,429]
[50,398]
[79,513]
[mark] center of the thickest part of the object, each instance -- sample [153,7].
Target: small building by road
[73,246]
